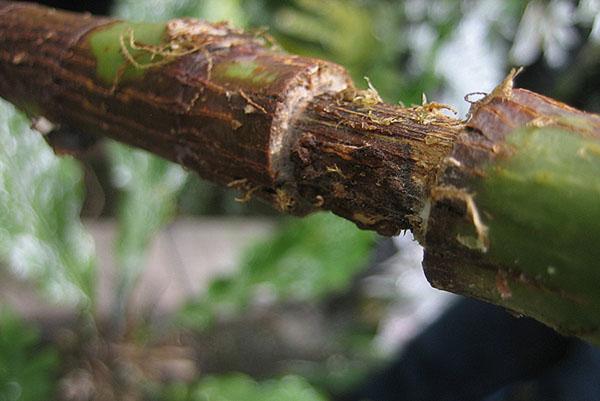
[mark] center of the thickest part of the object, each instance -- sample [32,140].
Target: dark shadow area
[101,7]
[477,351]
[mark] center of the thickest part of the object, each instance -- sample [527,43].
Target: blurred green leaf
[348,32]
[343,29]
[305,260]
[153,10]
[27,372]
[149,187]
[160,10]
[309,258]
[41,236]
[241,387]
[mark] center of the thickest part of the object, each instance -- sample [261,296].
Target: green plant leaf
[343,29]
[27,372]
[41,236]
[240,387]
[160,10]
[149,186]
[305,260]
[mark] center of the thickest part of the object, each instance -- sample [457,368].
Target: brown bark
[237,131]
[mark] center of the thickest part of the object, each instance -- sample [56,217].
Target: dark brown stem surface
[372,164]
[237,112]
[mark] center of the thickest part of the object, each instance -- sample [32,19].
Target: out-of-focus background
[124,277]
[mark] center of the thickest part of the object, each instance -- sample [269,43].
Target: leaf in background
[342,28]
[27,373]
[303,261]
[242,387]
[547,27]
[41,236]
[309,258]
[160,10]
[150,10]
[149,188]
[360,35]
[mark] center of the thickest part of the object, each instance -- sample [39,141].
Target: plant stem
[505,203]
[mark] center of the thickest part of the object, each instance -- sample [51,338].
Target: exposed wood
[372,164]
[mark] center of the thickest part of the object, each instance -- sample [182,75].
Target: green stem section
[514,217]
[111,47]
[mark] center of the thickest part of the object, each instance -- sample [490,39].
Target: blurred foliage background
[314,269]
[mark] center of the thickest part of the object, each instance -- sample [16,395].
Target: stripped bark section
[372,164]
